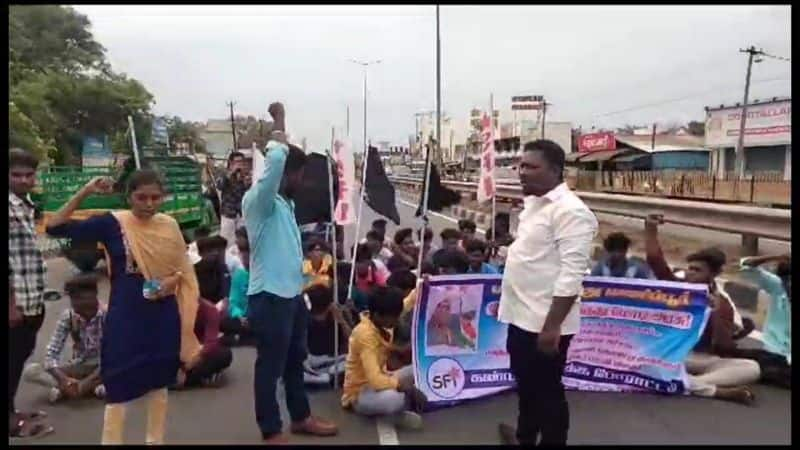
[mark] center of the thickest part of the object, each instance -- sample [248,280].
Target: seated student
[321,363]
[212,274]
[406,281]
[477,253]
[380,253]
[712,373]
[775,358]
[450,241]
[199,233]
[467,229]
[214,357]
[428,248]
[500,243]
[317,265]
[234,325]
[367,274]
[369,388]
[616,263]
[404,250]
[82,322]
[232,259]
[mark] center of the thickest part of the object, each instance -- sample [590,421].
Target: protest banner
[345,212]
[459,346]
[486,186]
[635,336]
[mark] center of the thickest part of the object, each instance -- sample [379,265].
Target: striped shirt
[25,259]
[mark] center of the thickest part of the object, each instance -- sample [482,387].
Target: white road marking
[387,435]
[439,215]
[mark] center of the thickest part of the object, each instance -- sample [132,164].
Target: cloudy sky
[598,65]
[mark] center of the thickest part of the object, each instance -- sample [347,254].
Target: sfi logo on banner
[446,377]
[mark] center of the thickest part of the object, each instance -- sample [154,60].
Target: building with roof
[767,137]
[218,138]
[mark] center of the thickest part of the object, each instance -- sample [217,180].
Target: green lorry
[184,200]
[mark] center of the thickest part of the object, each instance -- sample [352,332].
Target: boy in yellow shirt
[369,388]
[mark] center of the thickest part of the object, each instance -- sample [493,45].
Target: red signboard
[595,142]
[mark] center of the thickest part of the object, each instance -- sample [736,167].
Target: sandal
[23,430]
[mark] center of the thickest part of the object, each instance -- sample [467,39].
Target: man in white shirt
[541,285]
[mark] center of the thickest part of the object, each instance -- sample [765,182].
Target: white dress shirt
[548,259]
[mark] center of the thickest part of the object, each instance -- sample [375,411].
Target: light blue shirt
[778,326]
[486,269]
[276,256]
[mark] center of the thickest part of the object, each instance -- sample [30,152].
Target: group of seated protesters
[374,316]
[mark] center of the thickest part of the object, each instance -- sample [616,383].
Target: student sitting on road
[234,325]
[317,265]
[369,388]
[450,241]
[368,275]
[616,262]
[212,274]
[199,233]
[321,363]
[404,250]
[477,253]
[467,229]
[214,357]
[232,258]
[82,322]
[712,372]
[380,253]
[407,283]
[775,358]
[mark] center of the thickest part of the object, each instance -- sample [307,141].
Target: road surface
[225,415]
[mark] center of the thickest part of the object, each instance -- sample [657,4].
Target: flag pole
[494,166]
[364,162]
[335,262]
[430,150]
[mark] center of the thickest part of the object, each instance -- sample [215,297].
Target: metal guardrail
[749,221]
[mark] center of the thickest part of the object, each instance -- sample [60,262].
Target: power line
[762,53]
[687,97]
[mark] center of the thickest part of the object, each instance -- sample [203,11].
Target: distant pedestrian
[276,311]
[232,187]
[541,284]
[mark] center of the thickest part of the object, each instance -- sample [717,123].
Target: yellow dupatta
[158,248]
[315,277]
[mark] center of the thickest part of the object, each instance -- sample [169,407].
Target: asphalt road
[225,415]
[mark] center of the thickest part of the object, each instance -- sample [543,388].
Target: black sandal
[37,430]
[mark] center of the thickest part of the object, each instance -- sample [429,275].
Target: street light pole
[364,160]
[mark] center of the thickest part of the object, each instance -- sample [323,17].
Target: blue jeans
[280,326]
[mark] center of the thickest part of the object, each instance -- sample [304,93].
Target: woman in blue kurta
[143,343]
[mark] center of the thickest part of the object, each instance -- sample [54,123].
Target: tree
[697,128]
[51,37]
[62,88]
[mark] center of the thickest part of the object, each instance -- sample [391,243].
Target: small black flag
[313,205]
[439,197]
[380,192]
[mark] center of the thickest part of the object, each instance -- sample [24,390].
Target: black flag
[379,190]
[313,204]
[439,197]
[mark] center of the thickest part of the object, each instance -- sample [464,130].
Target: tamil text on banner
[635,335]
[486,186]
[459,346]
[768,123]
[345,213]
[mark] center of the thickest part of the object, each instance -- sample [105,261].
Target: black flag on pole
[313,205]
[439,197]
[379,190]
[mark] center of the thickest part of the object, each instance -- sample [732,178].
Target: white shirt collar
[553,195]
